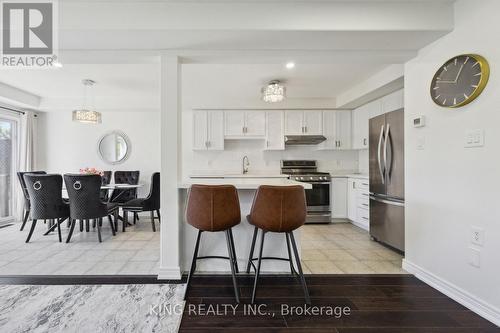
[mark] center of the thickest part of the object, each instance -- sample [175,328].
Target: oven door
[318,203]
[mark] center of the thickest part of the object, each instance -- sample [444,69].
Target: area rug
[91,308]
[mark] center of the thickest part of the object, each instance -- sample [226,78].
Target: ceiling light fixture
[274,92]
[87,114]
[290,65]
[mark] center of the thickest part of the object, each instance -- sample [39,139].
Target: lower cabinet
[339,198]
[358,202]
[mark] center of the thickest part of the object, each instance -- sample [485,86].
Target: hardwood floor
[377,303]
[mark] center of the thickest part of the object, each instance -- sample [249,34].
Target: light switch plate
[474,138]
[475,257]
[421,143]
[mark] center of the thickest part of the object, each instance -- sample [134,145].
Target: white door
[343,123]
[352,203]
[215,130]
[8,156]
[339,198]
[234,123]
[313,122]
[294,123]
[255,123]
[200,130]
[329,130]
[275,139]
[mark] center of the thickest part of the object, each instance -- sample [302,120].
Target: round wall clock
[460,80]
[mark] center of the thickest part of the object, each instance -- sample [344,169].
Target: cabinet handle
[365,205]
[305,128]
[208,144]
[340,143]
[365,218]
[267,143]
[353,184]
[364,142]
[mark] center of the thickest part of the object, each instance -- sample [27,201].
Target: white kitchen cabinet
[351,199]
[375,108]
[313,122]
[358,202]
[303,122]
[208,130]
[275,139]
[294,122]
[360,120]
[241,124]
[393,102]
[343,125]
[338,198]
[337,130]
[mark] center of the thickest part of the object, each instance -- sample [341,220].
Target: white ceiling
[120,87]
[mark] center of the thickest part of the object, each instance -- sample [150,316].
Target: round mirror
[114,147]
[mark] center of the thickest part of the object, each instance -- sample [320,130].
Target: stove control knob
[310,178]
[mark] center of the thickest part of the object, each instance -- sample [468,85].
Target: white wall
[450,188]
[66,146]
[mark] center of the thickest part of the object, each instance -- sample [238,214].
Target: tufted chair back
[84,196]
[20,176]
[152,202]
[106,179]
[125,177]
[45,193]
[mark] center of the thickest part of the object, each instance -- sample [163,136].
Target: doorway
[8,157]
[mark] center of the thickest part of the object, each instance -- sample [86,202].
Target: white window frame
[8,115]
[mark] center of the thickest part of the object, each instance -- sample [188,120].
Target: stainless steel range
[317,198]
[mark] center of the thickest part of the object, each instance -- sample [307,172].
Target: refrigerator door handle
[387,167]
[380,168]
[389,202]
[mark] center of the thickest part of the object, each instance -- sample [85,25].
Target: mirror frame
[127,141]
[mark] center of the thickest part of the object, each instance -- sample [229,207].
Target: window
[8,155]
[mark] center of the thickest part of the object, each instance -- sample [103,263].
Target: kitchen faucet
[246,164]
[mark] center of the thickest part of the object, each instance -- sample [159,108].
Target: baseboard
[485,310]
[169,273]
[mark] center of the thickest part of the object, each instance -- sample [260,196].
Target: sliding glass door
[8,155]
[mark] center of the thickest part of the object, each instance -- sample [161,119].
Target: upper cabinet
[244,124]
[361,116]
[275,138]
[303,122]
[208,130]
[337,130]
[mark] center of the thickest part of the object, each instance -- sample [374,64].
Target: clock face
[459,81]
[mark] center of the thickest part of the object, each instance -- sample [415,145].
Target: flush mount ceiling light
[274,92]
[290,65]
[87,114]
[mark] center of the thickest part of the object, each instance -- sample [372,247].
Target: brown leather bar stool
[280,209]
[212,209]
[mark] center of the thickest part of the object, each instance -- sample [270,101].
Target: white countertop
[350,175]
[235,175]
[243,183]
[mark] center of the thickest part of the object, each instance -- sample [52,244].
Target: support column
[171,150]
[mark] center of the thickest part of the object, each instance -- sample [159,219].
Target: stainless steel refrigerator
[387,212]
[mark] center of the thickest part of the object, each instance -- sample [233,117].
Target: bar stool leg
[193,263]
[71,228]
[257,272]
[232,264]
[299,266]
[289,253]
[235,258]
[153,221]
[98,223]
[33,224]
[250,257]
[59,221]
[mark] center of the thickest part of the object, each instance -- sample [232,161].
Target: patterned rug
[91,308]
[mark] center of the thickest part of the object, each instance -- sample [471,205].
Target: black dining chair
[26,209]
[46,203]
[149,204]
[85,202]
[106,180]
[122,196]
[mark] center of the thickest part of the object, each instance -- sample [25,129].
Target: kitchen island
[214,244]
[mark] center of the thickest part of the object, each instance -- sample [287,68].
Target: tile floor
[135,252]
[343,248]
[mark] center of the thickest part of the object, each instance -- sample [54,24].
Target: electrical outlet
[475,257]
[474,138]
[477,236]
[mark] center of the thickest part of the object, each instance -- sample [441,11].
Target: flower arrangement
[91,171]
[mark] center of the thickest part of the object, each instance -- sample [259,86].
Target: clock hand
[458,75]
[445,82]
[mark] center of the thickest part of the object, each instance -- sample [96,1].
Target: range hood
[300,140]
